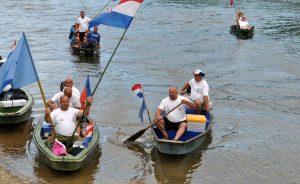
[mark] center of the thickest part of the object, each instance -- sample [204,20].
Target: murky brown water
[254,85]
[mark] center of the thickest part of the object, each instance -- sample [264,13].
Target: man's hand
[182,92]
[48,111]
[184,101]
[89,100]
[159,118]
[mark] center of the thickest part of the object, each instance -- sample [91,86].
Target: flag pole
[148,112]
[94,90]
[103,8]
[39,82]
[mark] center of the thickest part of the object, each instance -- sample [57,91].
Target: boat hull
[84,51]
[66,163]
[14,115]
[242,33]
[181,147]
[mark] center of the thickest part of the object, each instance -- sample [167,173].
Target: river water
[254,85]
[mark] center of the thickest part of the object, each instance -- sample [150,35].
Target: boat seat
[13,103]
[171,133]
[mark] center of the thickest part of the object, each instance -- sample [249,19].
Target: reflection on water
[178,169]
[169,168]
[84,175]
[13,138]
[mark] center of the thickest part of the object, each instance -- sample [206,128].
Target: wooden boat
[15,106]
[84,51]
[242,33]
[69,162]
[189,142]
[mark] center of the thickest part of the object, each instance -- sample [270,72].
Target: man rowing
[64,120]
[199,91]
[176,120]
[74,99]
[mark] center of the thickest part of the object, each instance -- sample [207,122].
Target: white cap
[199,72]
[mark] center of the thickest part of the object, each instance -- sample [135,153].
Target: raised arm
[185,86]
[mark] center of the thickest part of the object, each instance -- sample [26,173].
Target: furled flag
[137,89]
[86,92]
[19,69]
[119,16]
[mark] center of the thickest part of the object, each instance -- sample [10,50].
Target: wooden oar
[141,132]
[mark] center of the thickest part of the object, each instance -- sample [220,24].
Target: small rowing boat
[84,51]
[192,139]
[242,33]
[15,106]
[70,162]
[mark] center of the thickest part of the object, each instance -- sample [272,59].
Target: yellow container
[195,118]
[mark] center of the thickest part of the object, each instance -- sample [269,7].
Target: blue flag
[142,109]
[18,69]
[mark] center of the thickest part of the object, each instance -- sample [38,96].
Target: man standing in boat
[83,25]
[64,120]
[199,91]
[176,120]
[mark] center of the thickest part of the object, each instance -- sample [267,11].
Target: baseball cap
[199,72]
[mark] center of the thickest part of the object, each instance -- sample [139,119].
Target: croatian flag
[119,16]
[86,92]
[137,89]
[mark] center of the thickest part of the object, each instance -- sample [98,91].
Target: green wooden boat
[69,162]
[17,110]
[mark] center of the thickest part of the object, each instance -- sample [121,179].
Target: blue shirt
[93,37]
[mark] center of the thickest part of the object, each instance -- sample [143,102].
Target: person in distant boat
[69,83]
[176,120]
[93,39]
[74,99]
[243,23]
[83,22]
[239,15]
[64,120]
[199,91]
[74,34]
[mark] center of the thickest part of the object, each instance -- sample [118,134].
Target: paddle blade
[135,136]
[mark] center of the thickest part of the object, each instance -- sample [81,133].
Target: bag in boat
[59,149]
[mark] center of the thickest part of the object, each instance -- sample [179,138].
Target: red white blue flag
[86,92]
[120,16]
[137,89]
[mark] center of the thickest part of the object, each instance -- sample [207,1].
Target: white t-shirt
[65,121]
[198,89]
[243,24]
[178,114]
[83,23]
[74,100]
